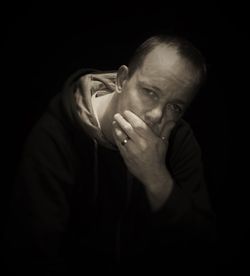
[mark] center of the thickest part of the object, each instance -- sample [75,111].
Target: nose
[154,116]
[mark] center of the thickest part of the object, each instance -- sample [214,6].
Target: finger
[126,127]
[120,138]
[119,133]
[122,148]
[138,124]
[166,131]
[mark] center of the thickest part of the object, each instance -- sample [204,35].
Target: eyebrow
[142,83]
[178,101]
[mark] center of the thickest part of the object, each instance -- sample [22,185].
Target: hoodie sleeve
[39,210]
[187,214]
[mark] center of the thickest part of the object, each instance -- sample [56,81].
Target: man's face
[160,89]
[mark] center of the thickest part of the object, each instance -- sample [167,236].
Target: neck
[105,111]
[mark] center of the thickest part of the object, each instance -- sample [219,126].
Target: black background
[43,44]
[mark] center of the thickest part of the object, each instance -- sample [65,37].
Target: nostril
[154,117]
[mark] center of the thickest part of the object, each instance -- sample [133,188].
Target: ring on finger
[125,141]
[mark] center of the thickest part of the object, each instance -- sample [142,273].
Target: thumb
[166,130]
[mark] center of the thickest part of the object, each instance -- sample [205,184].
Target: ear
[122,76]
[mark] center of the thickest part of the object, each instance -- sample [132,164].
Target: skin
[145,108]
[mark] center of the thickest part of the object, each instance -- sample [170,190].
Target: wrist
[158,189]
[157,177]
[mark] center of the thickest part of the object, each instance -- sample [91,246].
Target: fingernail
[116,115]
[118,132]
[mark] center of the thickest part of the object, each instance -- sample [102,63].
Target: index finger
[138,124]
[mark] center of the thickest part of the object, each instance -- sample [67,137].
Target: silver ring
[124,142]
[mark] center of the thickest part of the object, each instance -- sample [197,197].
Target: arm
[175,189]
[188,203]
[40,205]
[184,228]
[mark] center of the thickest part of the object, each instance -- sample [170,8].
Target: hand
[144,153]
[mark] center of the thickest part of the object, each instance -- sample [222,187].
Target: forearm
[183,212]
[174,206]
[158,188]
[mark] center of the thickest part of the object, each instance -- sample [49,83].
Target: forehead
[165,67]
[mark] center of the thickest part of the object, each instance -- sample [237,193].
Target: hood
[78,116]
[77,95]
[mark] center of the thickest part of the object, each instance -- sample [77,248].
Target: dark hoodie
[75,206]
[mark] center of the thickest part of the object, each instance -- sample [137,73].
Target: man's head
[161,80]
[183,48]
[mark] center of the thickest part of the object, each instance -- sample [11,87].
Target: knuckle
[139,126]
[118,132]
[128,128]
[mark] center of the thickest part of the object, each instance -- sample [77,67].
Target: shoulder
[47,139]
[183,135]
[183,145]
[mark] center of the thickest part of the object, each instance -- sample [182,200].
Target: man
[111,176]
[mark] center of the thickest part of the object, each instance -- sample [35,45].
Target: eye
[151,93]
[175,107]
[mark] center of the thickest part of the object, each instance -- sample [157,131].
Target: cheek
[137,104]
[134,102]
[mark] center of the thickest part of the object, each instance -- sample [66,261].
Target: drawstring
[118,241]
[129,182]
[96,174]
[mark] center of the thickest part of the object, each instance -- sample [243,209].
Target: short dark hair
[184,48]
